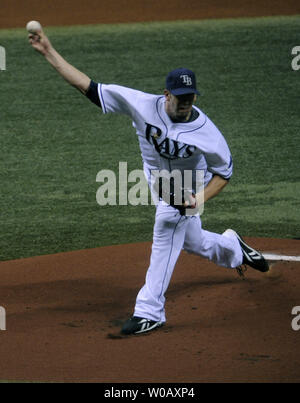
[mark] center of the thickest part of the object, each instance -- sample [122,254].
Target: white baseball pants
[172,233]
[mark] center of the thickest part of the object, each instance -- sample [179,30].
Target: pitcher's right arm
[40,42]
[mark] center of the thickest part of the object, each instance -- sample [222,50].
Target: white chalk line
[284,258]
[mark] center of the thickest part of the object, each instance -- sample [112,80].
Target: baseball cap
[181,81]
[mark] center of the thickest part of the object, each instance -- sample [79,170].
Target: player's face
[179,107]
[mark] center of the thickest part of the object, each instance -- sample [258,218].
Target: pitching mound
[64,313]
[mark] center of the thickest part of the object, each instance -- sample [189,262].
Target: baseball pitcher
[174,136]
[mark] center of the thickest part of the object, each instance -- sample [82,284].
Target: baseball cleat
[136,325]
[251,257]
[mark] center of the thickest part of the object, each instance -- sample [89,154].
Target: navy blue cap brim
[182,91]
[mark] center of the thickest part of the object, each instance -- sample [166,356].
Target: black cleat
[136,325]
[251,257]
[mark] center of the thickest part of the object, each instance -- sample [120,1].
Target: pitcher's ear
[167,94]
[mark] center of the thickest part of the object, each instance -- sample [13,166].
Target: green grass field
[53,141]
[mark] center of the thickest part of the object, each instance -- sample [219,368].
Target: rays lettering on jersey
[165,146]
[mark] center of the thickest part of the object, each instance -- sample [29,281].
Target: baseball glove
[174,195]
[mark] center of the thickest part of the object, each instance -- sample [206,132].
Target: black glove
[179,198]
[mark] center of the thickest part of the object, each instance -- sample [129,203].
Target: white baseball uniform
[181,146]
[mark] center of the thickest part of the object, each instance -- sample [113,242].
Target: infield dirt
[64,314]
[16,13]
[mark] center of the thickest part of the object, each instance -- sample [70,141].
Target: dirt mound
[64,313]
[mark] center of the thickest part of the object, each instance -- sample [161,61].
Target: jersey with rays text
[163,143]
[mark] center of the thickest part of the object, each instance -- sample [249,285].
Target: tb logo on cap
[186,79]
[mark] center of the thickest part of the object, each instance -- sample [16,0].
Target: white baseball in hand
[33,27]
